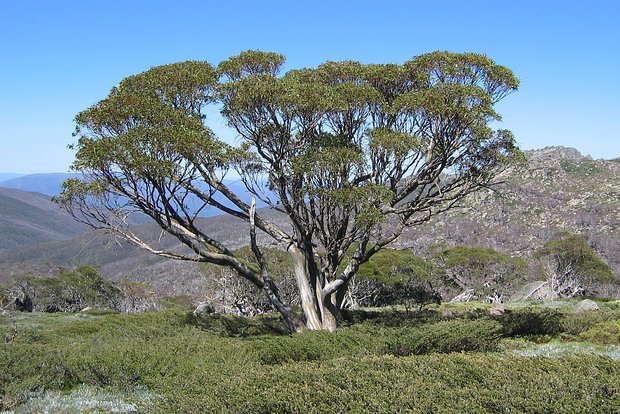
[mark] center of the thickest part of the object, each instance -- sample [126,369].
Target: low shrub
[531,321]
[366,339]
[444,337]
[181,303]
[227,325]
[391,317]
[453,383]
[192,370]
[354,341]
[397,317]
[576,323]
[606,333]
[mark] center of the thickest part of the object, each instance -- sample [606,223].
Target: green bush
[531,321]
[313,346]
[231,325]
[572,256]
[397,317]
[391,317]
[454,383]
[576,323]
[69,291]
[363,340]
[605,333]
[190,369]
[444,337]
[488,272]
[390,266]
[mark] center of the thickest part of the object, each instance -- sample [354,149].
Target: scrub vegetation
[443,358]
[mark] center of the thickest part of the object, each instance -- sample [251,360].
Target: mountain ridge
[28,218]
[45,183]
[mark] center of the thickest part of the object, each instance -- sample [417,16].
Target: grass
[530,360]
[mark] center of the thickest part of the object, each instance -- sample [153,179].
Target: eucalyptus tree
[351,154]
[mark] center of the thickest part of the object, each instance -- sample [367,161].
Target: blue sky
[59,57]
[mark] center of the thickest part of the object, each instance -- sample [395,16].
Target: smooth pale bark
[330,313]
[321,310]
[306,294]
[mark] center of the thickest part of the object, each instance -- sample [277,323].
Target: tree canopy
[349,153]
[572,267]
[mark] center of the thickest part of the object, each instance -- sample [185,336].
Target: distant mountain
[48,184]
[8,176]
[29,218]
[51,184]
[118,259]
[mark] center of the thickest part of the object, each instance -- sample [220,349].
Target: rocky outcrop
[204,308]
[557,152]
[556,190]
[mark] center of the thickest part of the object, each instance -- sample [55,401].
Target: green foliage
[531,321]
[181,303]
[314,346]
[485,270]
[340,148]
[278,261]
[251,62]
[445,337]
[181,368]
[391,266]
[573,250]
[603,333]
[572,268]
[459,383]
[394,316]
[402,278]
[479,260]
[576,323]
[238,326]
[69,291]
[393,144]
[581,168]
[364,340]
[414,292]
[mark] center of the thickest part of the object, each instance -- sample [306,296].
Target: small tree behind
[488,274]
[396,277]
[69,291]
[350,154]
[572,268]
